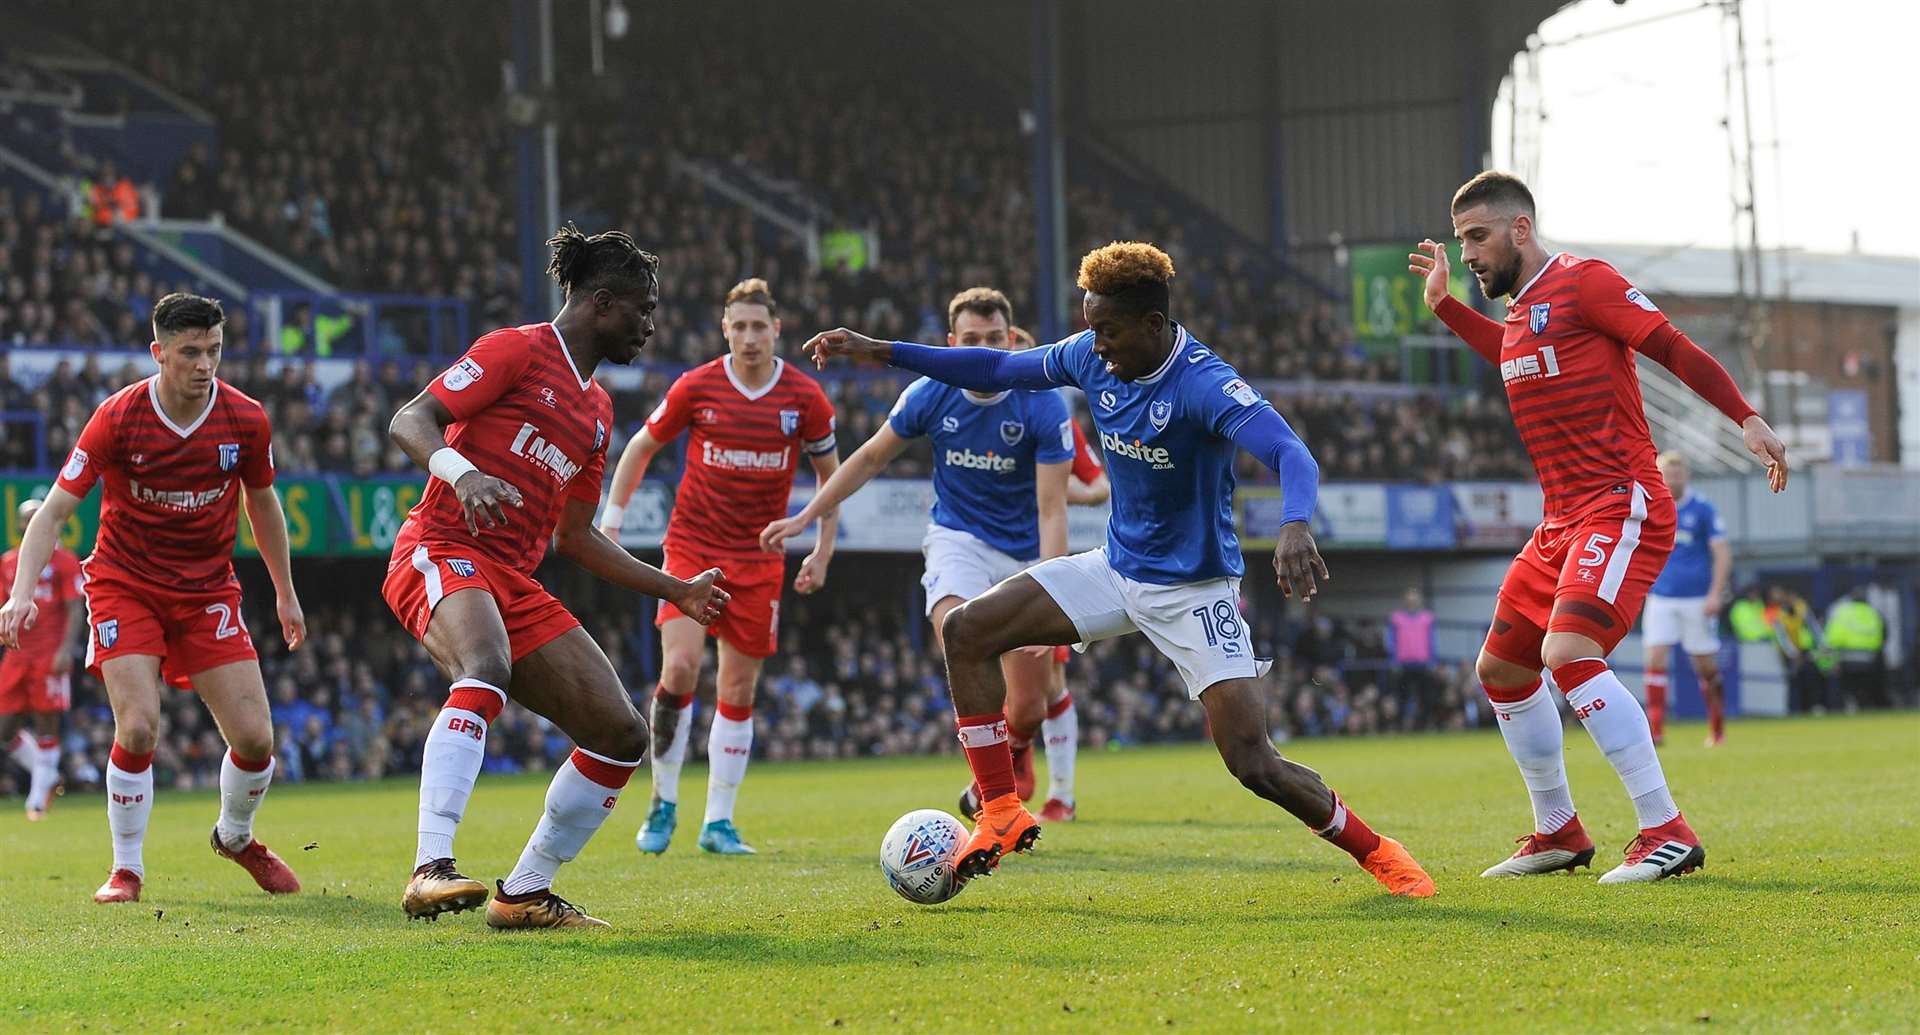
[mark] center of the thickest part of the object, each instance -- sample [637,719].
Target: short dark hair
[980,301]
[608,260]
[1498,189]
[1131,274]
[181,311]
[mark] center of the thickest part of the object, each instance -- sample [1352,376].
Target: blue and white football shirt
[1689,570]
[984,453]
[1167,437]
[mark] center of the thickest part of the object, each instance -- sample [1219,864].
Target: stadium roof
[1853,279]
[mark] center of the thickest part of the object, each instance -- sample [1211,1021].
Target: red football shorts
[1062,654]
[190,631]
[1588,577]
[27,684]
[421,574]
[750,623]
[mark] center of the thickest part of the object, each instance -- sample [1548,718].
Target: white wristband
[448,465]
[614,516]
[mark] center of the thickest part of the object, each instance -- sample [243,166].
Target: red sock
[984,737]
[1349,832]
[672,700]
[1656,702]
[1710,688]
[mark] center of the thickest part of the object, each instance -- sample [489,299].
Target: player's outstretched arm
[420,430]
[1429,263]
[869,460]
[1296,557]
[577,540]
[634,458]
[1698,370]
[980,369]
[19,612]
[269,521]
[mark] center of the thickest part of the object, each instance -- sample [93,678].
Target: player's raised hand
[773,538]
[1430,264]
[485,499]
[17,617]
[812,576]
[1763,443]
[293,621]
[1296,561]
[843,342]
[700,599]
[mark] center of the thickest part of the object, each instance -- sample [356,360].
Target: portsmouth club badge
[1537,316]
[1160,413]
[229,455]
[1011,431]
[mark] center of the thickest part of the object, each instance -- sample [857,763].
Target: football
[918,854]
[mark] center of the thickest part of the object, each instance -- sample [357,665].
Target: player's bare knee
[1556,652]
[1493,671]
[138,732]
[626,742]
[969,635]
[252,742]
[494,668]
[679,674]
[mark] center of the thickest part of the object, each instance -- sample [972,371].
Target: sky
[1632,149]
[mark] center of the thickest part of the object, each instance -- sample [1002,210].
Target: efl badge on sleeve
[229,455]
[1011,431]
[1537,316]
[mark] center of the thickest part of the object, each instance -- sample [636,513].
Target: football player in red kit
[515,437]
[1566,354]
[36,678]
[749,417]
[176,452]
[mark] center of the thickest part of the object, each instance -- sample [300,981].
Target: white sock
[1531,729]
[241,789]
[729,744]
[46,773]
[129,804]
[22,750]
[1619,729]
[666,764]
[450,764]
[1061,734]
[579,800]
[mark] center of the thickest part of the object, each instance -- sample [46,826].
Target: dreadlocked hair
[609,259]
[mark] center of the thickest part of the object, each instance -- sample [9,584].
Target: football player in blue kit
[1000,466]
[1683,606]
[1170,415]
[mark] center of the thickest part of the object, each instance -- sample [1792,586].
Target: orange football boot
[1003,827]
[1394,867]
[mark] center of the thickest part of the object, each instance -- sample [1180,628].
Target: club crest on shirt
[599,435]
[789,421]
[109,632]
[229,455]
[460,566]
[1159,414]
[949,424]
[1537,316]
[1011,431]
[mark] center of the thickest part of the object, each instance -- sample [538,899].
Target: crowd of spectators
[856,677]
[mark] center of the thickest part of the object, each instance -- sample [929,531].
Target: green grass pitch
[1177,901]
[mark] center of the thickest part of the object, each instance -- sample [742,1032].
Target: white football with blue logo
[918,856]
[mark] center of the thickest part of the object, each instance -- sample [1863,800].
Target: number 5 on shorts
[1595,554]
